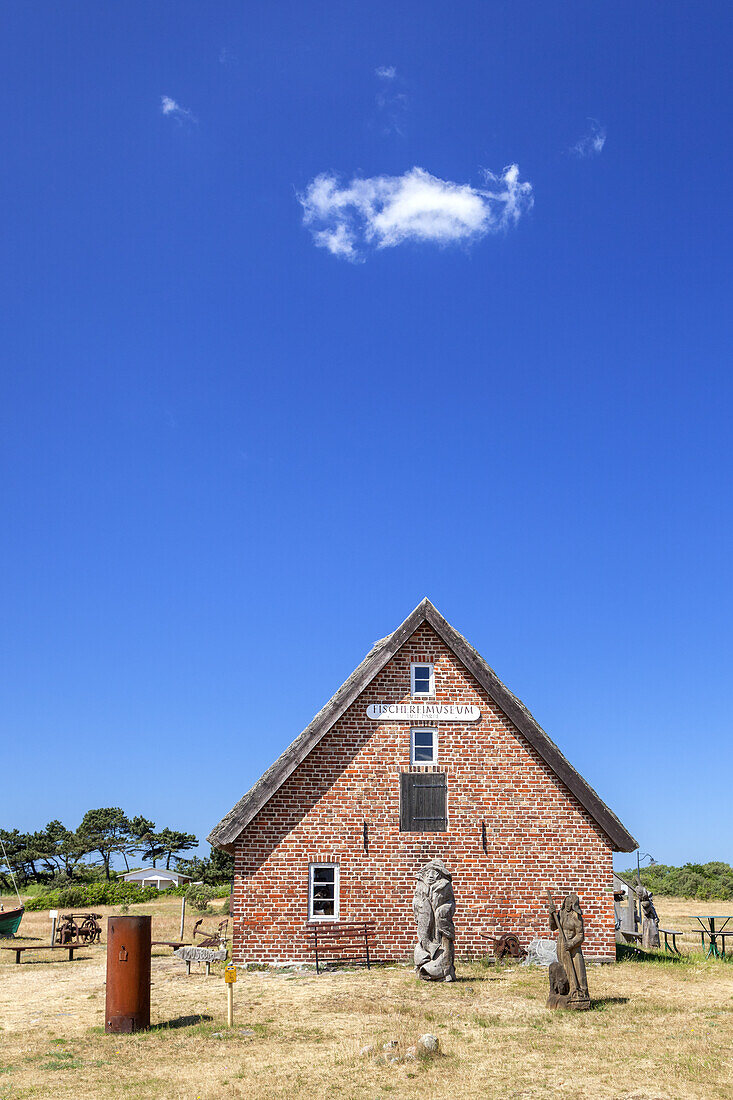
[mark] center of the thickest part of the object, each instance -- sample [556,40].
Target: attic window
[422,679]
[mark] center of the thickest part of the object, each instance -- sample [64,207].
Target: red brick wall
[537,833]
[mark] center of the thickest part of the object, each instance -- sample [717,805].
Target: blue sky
[265,385]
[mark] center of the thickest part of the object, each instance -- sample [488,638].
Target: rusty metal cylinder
[128,974]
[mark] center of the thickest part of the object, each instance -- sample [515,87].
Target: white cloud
[592,142]
[338,241]
[386,72]
[384,211]
[169,107]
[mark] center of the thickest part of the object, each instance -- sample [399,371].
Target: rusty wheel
[513,946]
[89,930]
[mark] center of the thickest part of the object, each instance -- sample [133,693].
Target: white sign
[53,914]
[423,712]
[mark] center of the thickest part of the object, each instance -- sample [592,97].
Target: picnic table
[707,928]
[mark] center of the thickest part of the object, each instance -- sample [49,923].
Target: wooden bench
[70,947]
[673,949]
[342,942]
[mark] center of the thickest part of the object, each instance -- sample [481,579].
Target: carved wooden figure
[568,921]
[434,905]
[650,920]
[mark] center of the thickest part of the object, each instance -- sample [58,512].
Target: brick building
[422,752]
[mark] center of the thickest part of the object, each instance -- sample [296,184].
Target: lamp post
[652,862]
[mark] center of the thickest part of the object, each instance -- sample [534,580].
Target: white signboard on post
[423,712]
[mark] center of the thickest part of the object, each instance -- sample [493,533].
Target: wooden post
[183,915]
[230,977]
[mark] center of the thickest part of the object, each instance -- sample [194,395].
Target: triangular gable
[230,827]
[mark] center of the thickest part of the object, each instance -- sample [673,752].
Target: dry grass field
[657,1029]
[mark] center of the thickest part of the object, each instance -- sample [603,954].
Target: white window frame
[336,892]
[423,729]
[431,689]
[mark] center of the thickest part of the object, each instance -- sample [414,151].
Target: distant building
[158,877]
[423,752]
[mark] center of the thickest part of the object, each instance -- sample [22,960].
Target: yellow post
[230,977]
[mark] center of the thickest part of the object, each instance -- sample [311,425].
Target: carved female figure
[569,922]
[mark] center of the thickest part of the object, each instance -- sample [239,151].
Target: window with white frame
[424,746]
[422,679]
[323,891]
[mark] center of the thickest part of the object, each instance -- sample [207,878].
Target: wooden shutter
[423,802]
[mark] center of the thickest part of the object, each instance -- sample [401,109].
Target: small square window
[323,891]
[424,746]
[422,679]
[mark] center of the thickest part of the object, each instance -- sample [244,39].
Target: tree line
[58,853]
[702,881]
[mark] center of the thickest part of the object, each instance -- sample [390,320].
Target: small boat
[10,920]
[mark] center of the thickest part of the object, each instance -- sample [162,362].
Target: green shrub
[215,891]
[90,895]
[703,881]
[70,897]
[116,892]
[198,897]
